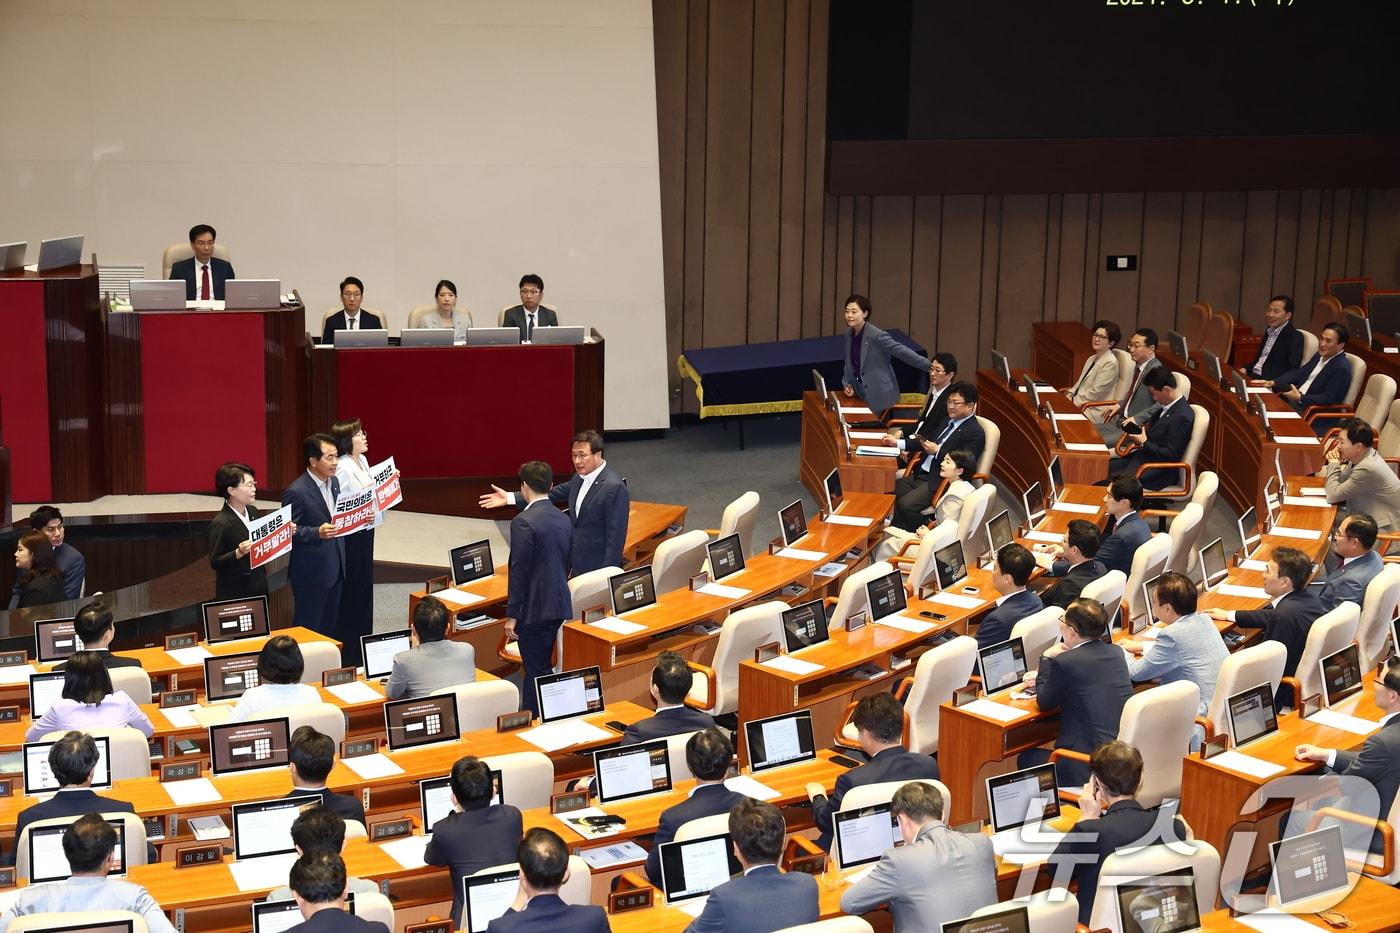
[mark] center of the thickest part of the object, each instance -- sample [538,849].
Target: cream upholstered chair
[1329,633]
[1377,609]
[317,658]
[382,315]
[176,252]
[1038,631]
[325,718]
[941,670]
[989,450]
[68,919]
[1183,385]
[129,754]
[1107,589]
[354,829]
[1205,494]
[677,559]
[527,778]
[919,570]
[832,925]
[852,597]
[133,853]
[481,701]
[1125,373]
[586,591]
[415,316]
[1052,911]
[133,681]
[716,688]
[1186,466]
[702,826]
[578,881]
[675,756]
[972,523]
[1388,440]
[1249,667]
[1309,345]
[1184,533]
[1373,407]
[739,518]
[1372,863]
[1133,864]
[375,908]
[1149,560]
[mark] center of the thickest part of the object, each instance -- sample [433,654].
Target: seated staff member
[938,875]
[957,467]
[1100,373]
[942,370]
[914,493]
[41,582]
[1358,476]
[95,629]
[1013,570]
[88,702]
[204,273]
[229,543]
[707,755]
[544,867]
[1323,380]
[1081,567]
[312,755]
[1357,565]
[1164,438]
[670,683]
[445,312]
[318,828]
[1282,347]
[1125,531]
[350,316]
[318,885]
[879,722]
[530,314]
[71,760]
[434,662]
[1087,681]
[476,834]
[70,562]
[280,666]
[866,370]
[1136,405]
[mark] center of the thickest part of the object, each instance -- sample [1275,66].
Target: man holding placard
[318,557]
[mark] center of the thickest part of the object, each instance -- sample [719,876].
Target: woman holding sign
[357,595]
[229,541]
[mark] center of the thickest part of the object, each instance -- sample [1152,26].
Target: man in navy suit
[71,759]
[1125,531]
[312,755]
[879,722]
[350,316]
[318,882]
[204,275]
[538,592]
[1324,379]
[762,899]
[914,493]
[1282,346]
[598,504]
[538,908]
[1357,565]
[942,370]
[95,629]
[317,570]
[476,834]
[707,755]
[530,314]
[670,682]
[1080,562]
[1014,567]
[1163,439]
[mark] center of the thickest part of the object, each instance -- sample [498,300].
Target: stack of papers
[1087,448]
[1306,440]
[459,596]
[1259,565]
[1339,720]
[1246,764]
[791,665]
[181,717]
[196,790]
[603,857]
[799,554]
[855,410]
[553,736]
[574,820]
[1283,415]
[867,435]
[187,657]
[1307,534]
[1309,501]
[719,589]
[956,599]
[905,623]
[17,673]
[994,710]
[1075,507]
[830,570]
[356,691]
[869,450]
[743,784]
[617,626]
[1313,491]
[372,766]
[1048,537]
[407,850]
[262,873]
[856,520]
[1074,416]
[1248,592]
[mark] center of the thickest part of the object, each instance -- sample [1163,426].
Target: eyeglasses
[1100,336]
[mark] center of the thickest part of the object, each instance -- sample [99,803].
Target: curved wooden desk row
[823,449]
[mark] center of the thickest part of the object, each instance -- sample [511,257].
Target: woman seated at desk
[1100,374]
[88,702]
[36,565]
[955,465]
[446,313]
[280,666]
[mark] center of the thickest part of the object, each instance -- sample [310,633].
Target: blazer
[996,625]
[41,591]
[1378,761]
[1286,353]
[931,419]
[761,901]
[368,321]
[338,921]
[1089,684]
[891,764]
[942,875]
[538,587]
[547,913]
[1370,487]
[1124,823]
[1141,405]
[109,660]
[877,383]
[1073,582]
[1349,581]
[345,806]
[72,801]
[315,562]
[1287,623]
[220,271]
[515,317]
[1189,649]
[704,800]
[967,436]
[676,720]
[599,531]
[1096,380]
[1168,434]
[1329,388]
[431,668]
[1117,549]
[233,576]
[469,840]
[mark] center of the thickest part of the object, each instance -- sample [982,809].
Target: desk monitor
[435,798]
[471,562]
[1055,432]
[493,336]
[632,590]
[486,897]
[1177,342]
[1248,527]
[565,335]
[1252,714]
[1002,368]
[779,740]
[229,676]
[410,723]
[1022,798]
[569,693]
[1002,665]
[886,595]
[793,521]
[1149,598]
[60,253]
[631,771]
[1241,387]
[231,619]
[804,626]
[48,862]
[378,651]
[157,295]
[359,339]
[1278,470]
[252,294]
[841,422]
[1034,501]
[38,779]
[1341,675]
[1032,391]
[999,532]
[951,565]
[831,485]
[696,867]
[1214,566]
[1164,903]
[1057,478]
[1015,920]
[1212,365]
[818,383]
[427,337]
[44,690]
[865,834]
[249,746]
[1271,500]
[55,640]
[726,556]
[280,916]
[1308,865]
[12,260]
[265,827]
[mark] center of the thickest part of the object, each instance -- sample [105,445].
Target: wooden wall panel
[1158,296]
[960,276]
[1257,268]
[927,255]
[1286,247]
[891,249]
[1074,223]
[1120,232]
[1380,257]
[1020,287]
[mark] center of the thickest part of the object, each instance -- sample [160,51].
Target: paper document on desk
[858,876]
[619,853]
[1074,416]
[855,520]
[1313,491]
[867,435]
[799,554]
[553,736]
[791,665]
[575,820]
[1284,415]
[212,715]
[1247,764]
[459,596]
[905,624]
[1339,720]
[1087,448]
[1304,441]
[181,717]
[262,873]
[1247,592]
[1259,565]
[830,570]
[356,691]
[188,793]
[1075,507]
[1048,537]
[728,592]
[1307,534]
[855,410]
[617,626]
[993,710]
[1275,921]
[188,657]
[17,673]
[1311,502]
[407,850]
[372,766]
[956,599]
[743,784]
[1258,390]
[868,450]
[693,907]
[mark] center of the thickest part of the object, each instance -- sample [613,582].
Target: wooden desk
[823,449]
[1372,907]
[1059,350]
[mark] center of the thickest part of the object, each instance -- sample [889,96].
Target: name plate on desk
[508,722]
[595,614]
[432,926]
[337,676]
[9,714]
[568,801]
[766,652]
[180,771]
[7,877]
[205,853]
[620,902]
[380,830]
[7,787]
[700,579]
[185,640]
[964,695]
[11,658]
[358,748]
[1214,747]
[176,698]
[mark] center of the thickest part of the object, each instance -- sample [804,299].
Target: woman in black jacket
[43,582]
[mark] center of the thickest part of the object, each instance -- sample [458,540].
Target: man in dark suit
[598,504]
[203,273]
[1087,681]
[538,590]
[318,884]
[914,493]
[312,756]
[1323,380]
[1136,406]
[350,316]
[475,835]
[1014,567]
[317,828]
[762,899]
[879,722]
[1282,346]
[1165,437]
[1081,568]
[71,759]
[94,628]
[670,682]
[317,570]
[942,370]
[1356,563]
[229,544]
[538,908]
[1125,531]
[1111,819]
[1290,614]
[530,314]
[707,755]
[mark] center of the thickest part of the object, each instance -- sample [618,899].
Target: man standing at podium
[317,570]
[204,275]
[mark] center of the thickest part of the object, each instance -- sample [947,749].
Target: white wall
[403,142]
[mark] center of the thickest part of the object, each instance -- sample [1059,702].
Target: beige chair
[1183,385]
[941,670]
[578,881]
[501,314]
[1107,589]
[1249,667]
[1149,560]
[527,778]
[1186,466]
[354,829]
[590,590]
[675,756]
[1309,345]
[1053,911]
[68,919]
[382,315]
[852,597]
[716,688]
[739,518]
[989,451]
[1372,864]
[134,851]
[481,701]
[919,570]
[415,317]
[375,908]
[177,252]
[1204,495]
[1184,533]
[1377,609]
[133,681]
[1328,634]
[318,657]
[702,826]
[1133,864]
[841,924]
[1126,368]
[1373,407]
[1194,327]
[1388,438]
[1038,631]
[128,755]
[972,523]
[677,559]
[325,718]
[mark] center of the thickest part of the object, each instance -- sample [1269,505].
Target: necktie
[204,288]
[942,438]
[530,326]
[1132,387]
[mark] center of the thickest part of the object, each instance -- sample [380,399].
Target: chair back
[1194,327]
[354,829]
[1050,911]
[675,755]
[1184,531]
[1357,325]
[702,826]
[1159,723]
[853,598]
[129,754]
[921,572]
[134,852]
[1108,589]
[527,778]
[1377,609]
[67,919]
[1374,404]
[176,252]
[1309,344]
[326,718]
[501,314]
[740,633]
[1388,442]
[1184,485]
[989,450]
[133,681]
[841,924]
[1358,377]
[415,316]
[1038,631]
[1207,491]
[1220,334]
[318,657]
[591,589]
[972,523]
[1183,385]
[374,908]
[740,517]
[481,701]
[677,559]
[1258,664]
[940,671]
[1328,634]
[1348,291]
[1132,864]
[1326,310]
[1125,373]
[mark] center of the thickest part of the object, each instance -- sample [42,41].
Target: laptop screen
[1002,367]
[804,626]
[1248,527]
[44,691]
[886,594]
[1034,501]
[999,531]
[631,771]
[951,565]
[1252,714]
[55,639]
[793,521]
[832,486]
[379,650]
[696,867]
[247,746]
[38,779]
[1241,387]
[569,693]
[1057,478]
[632,589]
[1002,665]
[779,740]
[435,798]
[410,723]
[865,834]
[726,556]
[1023,797]
[1149,598]
[1032,393]
[1341,675]
[1164,903]
[1177,342]
[265,827]
[228,676]
[819,384]
[1016,920]
[1214,566]
[486,897]
[48,862]
[1308,865]
[235,618]
[470,562]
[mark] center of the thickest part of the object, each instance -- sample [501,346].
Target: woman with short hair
[89,702]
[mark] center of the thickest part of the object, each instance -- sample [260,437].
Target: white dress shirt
[587,484]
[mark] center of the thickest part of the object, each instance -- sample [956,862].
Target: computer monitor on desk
[379,649]
[632,590]
[435,798]
[1341,675]
[48,861]
[885,595]
[563,335]
[726,556]
[1214,568]
[252,294]
[792,522]
[493,336]
[38,779]
[831,487]
[12,260]
[280,916]
[805,625]
[359,339]
[1163,903]
[44,690]
[1002,665]
[427,337]
[157,295]
[631,771]
[471,562]
[1034,501]
[249,746]
[425,721]
[229,676]
[486,897]
[56,640]
[569,693]
[232,619]
[265,827]
[1015,920]
[999,534]
[865,834]
[1023,798]
[1252,715]
[779,741]
[695,867]
[60,253]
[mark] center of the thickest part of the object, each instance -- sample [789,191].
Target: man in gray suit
[762,899]
[1358,476]
[1137,404]
[434,662]
[938,875]
[1358,564]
